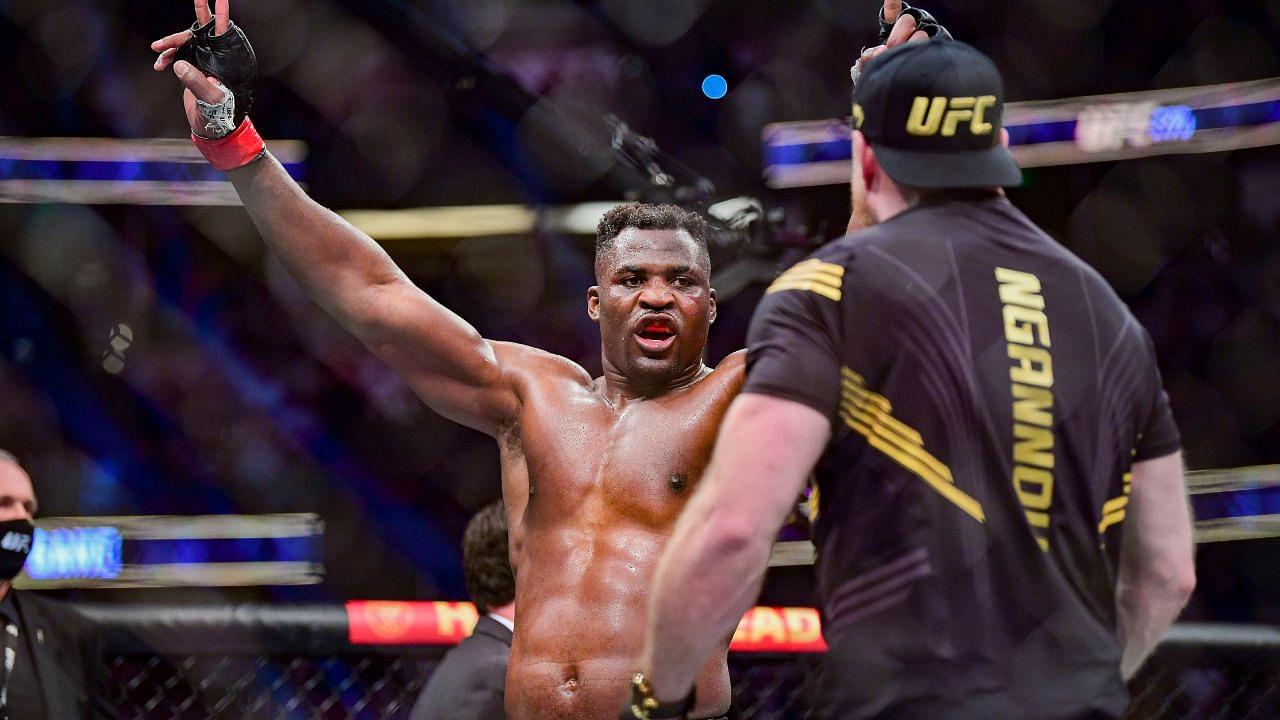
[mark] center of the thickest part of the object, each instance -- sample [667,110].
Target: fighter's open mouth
[655,335]
[655,331]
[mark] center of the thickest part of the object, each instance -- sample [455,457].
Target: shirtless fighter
[594,470]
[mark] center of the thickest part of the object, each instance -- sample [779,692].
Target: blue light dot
[715,86]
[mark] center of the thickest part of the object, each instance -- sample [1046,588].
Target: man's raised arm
[455,371]
[443,358]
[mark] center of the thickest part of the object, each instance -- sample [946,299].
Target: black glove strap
[924,21]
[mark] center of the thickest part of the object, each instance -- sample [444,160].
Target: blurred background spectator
[52,661]
[471,680]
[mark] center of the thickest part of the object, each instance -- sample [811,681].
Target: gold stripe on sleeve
[1113,510]
[870,414]
[813,275]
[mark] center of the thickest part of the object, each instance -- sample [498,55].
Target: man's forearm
[332,260]
[711,571]
[1145,614]
[700,592]
[1157,565]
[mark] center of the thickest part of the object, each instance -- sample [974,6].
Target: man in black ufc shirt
[1003,529]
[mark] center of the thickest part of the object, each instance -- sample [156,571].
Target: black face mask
[16,537]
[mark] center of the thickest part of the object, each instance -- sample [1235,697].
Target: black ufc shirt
[988,393]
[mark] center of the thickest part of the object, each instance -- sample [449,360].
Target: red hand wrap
[235,150]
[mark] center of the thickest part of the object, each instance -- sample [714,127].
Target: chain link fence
[293,664]
[1218,672]
[350,686]
[276,687]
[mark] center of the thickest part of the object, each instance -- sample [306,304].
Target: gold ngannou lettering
[1026,330]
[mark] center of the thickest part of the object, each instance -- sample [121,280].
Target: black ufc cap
[932,112]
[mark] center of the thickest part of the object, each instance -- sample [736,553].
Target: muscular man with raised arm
[595,470]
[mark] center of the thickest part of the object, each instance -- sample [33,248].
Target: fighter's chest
[642,462]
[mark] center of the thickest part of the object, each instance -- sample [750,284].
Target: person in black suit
[468,684]
[51,665]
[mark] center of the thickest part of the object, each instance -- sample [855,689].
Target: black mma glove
[229,57]
[924,21]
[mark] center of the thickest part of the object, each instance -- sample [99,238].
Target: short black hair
[486,560]
[649,216]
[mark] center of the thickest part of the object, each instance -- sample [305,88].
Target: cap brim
[989,167]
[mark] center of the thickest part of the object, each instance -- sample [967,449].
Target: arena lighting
[87,552]
[1124,126]
[107,171]
[1172,123]
[1238,504]
[465,221]
[170,171]
[82,149]
[171,551]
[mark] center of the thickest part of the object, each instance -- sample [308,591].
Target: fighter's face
[654,303]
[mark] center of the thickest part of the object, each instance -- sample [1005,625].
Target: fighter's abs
[605,484]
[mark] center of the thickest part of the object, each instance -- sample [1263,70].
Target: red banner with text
[773,629]
[380,622]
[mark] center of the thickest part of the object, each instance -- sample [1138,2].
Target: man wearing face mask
[50,660]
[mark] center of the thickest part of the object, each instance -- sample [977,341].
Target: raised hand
[892,12]
[209,55]
[168,46]
[905,28]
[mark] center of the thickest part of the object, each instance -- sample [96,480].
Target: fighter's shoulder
[525,363]
[1052,259]
[729,374]
[823,273]
[734,365]
[1111,315]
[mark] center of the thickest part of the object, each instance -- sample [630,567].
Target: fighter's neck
[617,387]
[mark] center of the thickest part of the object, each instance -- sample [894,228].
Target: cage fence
[298,663]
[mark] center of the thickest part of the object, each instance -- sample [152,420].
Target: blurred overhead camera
[739,223]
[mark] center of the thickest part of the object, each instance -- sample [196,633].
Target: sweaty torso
[593,488]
